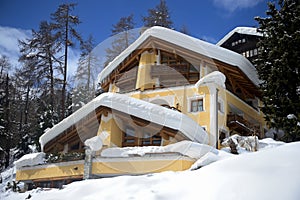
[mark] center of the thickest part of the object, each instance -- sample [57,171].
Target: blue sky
[208,19]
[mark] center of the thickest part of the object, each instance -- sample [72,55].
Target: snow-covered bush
[239,143]
[62,157]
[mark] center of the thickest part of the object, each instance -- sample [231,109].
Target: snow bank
[95,143]
[269,174]
[8,175]
[30,160]
[191,149]
[246,144]
[269,143]
[187,148]
[205,160]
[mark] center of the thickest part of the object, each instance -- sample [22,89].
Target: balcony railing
[172,75]
[127,80]
[241,125]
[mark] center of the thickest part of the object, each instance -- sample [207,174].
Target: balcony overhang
[106,167]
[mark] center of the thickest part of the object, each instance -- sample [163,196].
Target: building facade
[164,89]
[242,40]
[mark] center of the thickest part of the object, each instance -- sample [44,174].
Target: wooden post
[87,171]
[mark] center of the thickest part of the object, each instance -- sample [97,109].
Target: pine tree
[26,84]
[39,55]
[158,16]
[41,66]
[9,120]
[123,36]
[14,113]
[64,24]
[5,136]
[39,77]
[279,68]
[4,65]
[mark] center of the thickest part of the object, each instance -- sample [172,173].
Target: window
[129,132]
[197,105]
[247,54]
[129,138]
[149,140]
[132,137]
[255,52]
[75,146]
[156,139]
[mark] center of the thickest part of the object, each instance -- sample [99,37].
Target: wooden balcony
[127,80]
[168,70]
[174,75]
[240,125]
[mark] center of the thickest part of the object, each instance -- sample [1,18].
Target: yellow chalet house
[168,99]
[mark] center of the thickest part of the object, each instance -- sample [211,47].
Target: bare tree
[64,24]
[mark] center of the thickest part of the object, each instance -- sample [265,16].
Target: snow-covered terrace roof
[240,30]
[188,42]
[135,107]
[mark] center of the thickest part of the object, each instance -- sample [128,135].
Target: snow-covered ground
[271,173]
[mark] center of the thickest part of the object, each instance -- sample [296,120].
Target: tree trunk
[63,97]
[7,120]
[51,82]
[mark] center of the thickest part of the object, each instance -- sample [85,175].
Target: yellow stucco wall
[69,169]
[144,79]
[141,167]
[121,167]
[112,128]
[182,97]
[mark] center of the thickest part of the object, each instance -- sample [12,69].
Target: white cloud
[232,5]
[9,37]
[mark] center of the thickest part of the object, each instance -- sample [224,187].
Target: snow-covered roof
[188,42]
[135,107]
[240,30]
[215,77]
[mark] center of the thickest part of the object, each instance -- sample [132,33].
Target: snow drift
[272,173]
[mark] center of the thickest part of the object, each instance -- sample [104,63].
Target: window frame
[193,99]
[128,137]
